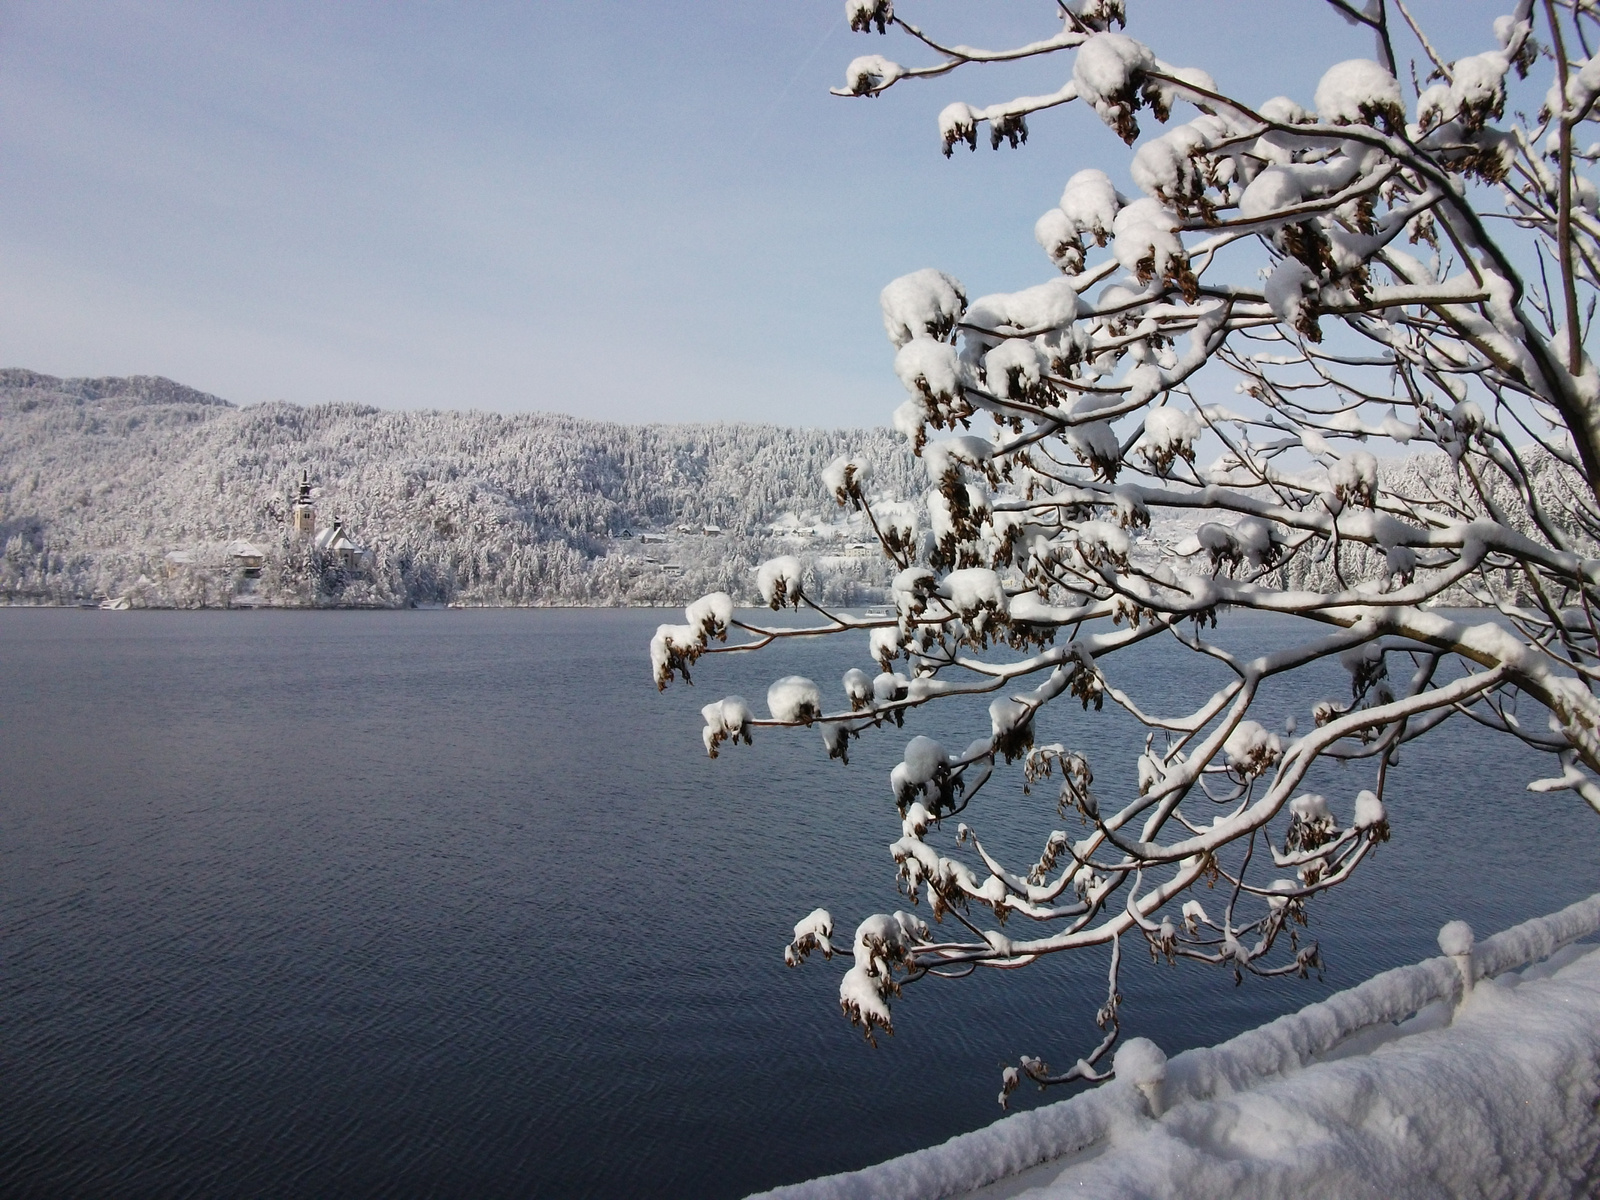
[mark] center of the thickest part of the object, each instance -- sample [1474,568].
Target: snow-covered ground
[1396,1088]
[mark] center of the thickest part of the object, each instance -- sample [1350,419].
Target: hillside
[113,487]
[138,487]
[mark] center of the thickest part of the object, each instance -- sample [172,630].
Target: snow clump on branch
[1360,92]
[1169,434]
[1251,749]
[794,700]
[1087,208]
[1475,95]
[1109,71]
[870,74]
[977,595]
[673,649]
[1146,242]
[845,476]
[711,615]
[811,932]
[1039,309]
[882,944]
[926,303]
[779,580]
[727,720]
[864,14]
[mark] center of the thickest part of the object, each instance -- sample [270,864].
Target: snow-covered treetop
[1370,266]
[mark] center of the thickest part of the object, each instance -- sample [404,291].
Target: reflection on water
[347,904]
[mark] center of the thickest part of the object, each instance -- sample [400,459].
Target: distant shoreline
[145,490]
[375,608]
[311,608]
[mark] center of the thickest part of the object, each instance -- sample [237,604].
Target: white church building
[331,539]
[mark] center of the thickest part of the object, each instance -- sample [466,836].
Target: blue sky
[634,211]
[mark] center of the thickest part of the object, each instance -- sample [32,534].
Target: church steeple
[302,514]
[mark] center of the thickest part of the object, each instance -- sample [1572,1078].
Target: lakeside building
[335,541]
[247,557]
[332,539]
[239,554]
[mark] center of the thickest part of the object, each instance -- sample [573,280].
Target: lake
[453,904]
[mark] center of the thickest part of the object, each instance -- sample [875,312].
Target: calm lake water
[453,904]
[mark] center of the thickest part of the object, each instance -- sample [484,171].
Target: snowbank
[1375,1091]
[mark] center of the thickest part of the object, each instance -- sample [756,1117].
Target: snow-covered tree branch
[1372,270]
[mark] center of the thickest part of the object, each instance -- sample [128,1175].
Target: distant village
[840,540]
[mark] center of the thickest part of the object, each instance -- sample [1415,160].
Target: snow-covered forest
[138,487]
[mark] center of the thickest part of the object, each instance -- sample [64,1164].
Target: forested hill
[135,487]
[140,488]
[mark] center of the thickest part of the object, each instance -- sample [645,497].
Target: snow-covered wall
[1397,1087]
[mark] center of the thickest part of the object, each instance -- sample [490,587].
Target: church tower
[302,514]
